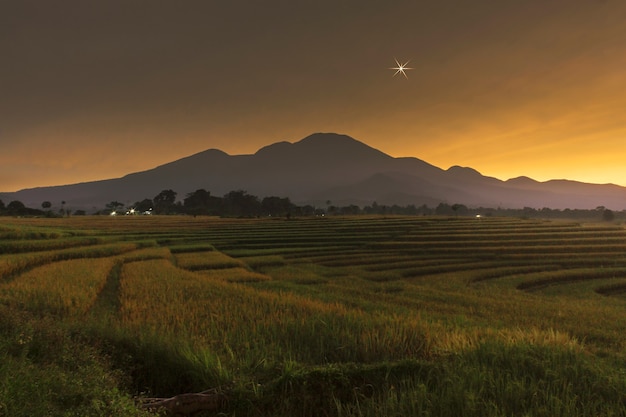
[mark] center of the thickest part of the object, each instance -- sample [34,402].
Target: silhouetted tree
[608,215]
[373,209]
[459,209]
[143,205]
[424,210]
[547,212]
[46,205]
[240,203]
[444,209]
[276,206]
[529,212]
[164,202]
[113,206]
[198,202]
[307,210]
[350,210]
[16,208]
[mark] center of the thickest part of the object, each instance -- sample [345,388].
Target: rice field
[332,316]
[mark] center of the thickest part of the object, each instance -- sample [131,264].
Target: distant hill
[328,166]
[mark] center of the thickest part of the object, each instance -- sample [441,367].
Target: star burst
[401,68]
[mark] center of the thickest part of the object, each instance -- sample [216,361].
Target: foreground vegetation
[360,316]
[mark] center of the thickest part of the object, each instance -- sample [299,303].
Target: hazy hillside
[328,166]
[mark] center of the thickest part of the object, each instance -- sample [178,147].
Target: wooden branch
[187,404]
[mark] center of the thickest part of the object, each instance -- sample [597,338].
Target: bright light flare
[401,68]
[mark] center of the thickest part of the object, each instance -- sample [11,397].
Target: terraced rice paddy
[396,304]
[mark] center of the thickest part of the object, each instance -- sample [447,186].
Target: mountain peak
[321,137]
[326,166]
[522,180]
[327,149]
[274,147]
[314,141]
[333,144]
[459,170]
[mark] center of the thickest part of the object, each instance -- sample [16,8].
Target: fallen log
[187,404]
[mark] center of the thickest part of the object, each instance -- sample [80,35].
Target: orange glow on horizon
[507,88]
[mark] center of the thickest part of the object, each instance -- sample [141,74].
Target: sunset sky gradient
[98,89]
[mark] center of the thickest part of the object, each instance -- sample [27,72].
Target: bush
[45,371]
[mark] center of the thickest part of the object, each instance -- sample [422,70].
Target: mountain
[328,166]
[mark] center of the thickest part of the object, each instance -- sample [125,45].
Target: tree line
[233,204]
[241,204]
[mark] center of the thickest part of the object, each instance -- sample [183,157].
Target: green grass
[46,371]
[362,316]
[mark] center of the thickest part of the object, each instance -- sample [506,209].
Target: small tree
[198,202]
[16,208]
[240,203]
[276,206]
[46,205]
[113,206]
[144,205]
[164,201]
[443,209]
[307,210]
[608,215]
[459,209]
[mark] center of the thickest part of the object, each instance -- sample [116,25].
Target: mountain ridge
[328,166]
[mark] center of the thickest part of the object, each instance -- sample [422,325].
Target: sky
[94,90]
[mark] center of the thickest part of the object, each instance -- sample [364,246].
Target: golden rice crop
[14,263]
[206,260]
[31,245]
[146,254]
[255,262]
[157,291]
[11,264]
[67,288]
[234,275]
[348,313]
[246,321]
[191,247]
